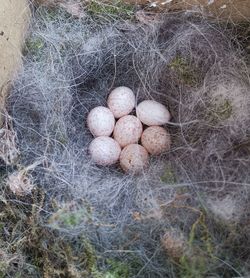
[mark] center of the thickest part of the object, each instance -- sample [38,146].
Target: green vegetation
[212,246]
[117,270]
[69,216]
[30,249]
[194,263]
[168,176]
[114,8]
[34,47]
[221,111]
[185,72]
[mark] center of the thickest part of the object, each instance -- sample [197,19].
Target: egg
[128,130]
[104,150]
[151,112]
[156,140]
[101,121]
[134,158]
[121,101]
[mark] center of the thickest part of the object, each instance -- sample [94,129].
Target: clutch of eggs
[128,131]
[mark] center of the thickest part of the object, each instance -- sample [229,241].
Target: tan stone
[14,16]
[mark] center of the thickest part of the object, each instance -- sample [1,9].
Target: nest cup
[182,61]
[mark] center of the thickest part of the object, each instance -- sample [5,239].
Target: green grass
[213,248]
[114,9]
[194,264]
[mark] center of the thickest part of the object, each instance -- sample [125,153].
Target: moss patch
[117,270]
[185,72]
[220,110]
[47,253]
[168,176]
[34,47]
[223,110]
[115,8]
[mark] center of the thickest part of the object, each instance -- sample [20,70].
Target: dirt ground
[14,16]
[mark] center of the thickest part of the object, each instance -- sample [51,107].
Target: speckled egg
[101,121]
[121,101]
[156,140]
[128,130]
[134,158]
[104,150]
[151,112]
